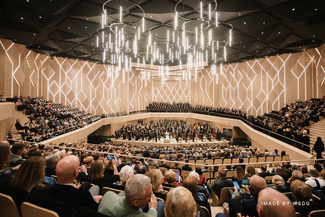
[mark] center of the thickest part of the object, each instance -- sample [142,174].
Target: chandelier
[190,42]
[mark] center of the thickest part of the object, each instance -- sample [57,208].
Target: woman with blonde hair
[279,184]
[30,175]
[180,202]
[170,177]
[156,178]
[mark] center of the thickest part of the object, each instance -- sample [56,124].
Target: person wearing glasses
[138,194]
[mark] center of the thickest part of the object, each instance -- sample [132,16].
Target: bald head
[257,183]
[67,169]
[272,203]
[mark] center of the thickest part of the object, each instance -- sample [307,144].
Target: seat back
[209,162]
[8,206]
[268,178]
[31,210]
[230,174]
[269,159]
[207,175]
[199,162]
[261,161]
[206,211]
[277,158]
[61,208]
[235,160]
[185,173]
[224,196]
[115,190]
[317,213]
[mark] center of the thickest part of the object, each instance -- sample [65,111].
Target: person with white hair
[314,180]
[138,193]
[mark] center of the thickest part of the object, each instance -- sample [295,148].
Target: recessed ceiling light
[68,27]
[15,39]
[34,34]
[93,48]
[313,40]
[21,18]
[27,0]
[257,51]
[293,9]
[262,33]
[263,23]
[313,36]
[316,9]
[40,17]
[38,46]
[85,27]
[244,23]
[279,33]
[239,14]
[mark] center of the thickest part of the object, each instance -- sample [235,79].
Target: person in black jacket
[64,190]
[221,182]
[319,147]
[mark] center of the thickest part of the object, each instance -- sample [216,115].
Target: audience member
[64,190]
[5,174]
[180,202]
[31,175]
[138,193]
[18,150]
[220,182]
[272,203]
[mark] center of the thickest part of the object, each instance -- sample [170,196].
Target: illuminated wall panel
[256,86]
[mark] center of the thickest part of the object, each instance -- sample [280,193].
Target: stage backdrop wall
[256,86]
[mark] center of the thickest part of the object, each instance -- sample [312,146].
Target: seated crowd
[290,124]
[78,176]
[48,119]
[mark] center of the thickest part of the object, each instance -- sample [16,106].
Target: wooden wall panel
[256,86]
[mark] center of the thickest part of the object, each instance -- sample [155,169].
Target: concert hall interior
[200,88]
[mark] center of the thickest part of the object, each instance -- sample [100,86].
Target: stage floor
[173,142]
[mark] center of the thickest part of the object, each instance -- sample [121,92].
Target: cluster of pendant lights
[193,45]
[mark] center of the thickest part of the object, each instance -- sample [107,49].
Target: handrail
[179,162]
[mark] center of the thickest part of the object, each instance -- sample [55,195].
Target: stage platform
[173,142]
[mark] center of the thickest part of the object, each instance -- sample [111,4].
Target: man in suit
[186,167]
[64,190]
[164,164]
[220,182]
[18,151]
[138,193]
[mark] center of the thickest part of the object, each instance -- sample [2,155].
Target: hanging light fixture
[191,43]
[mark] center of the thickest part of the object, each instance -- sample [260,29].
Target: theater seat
[31,210]
[62,209]
[317,213]
[8,206]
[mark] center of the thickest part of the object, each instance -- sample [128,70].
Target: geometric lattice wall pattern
[255,86]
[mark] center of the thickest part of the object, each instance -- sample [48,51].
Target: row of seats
[35,205]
